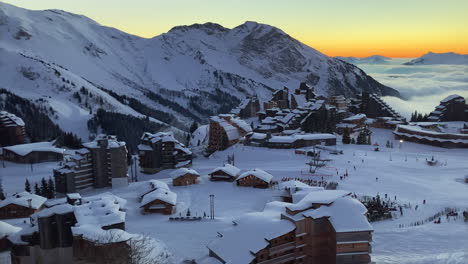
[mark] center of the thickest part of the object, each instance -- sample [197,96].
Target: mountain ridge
[203,69]
[431,58]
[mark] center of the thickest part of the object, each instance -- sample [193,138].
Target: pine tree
[27,186]
[2,194]
[188,212]
[44,188]
[346,137]
[51,188]
[36,189]
[193,127]
[353,141]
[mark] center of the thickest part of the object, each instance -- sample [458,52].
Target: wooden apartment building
[12,129]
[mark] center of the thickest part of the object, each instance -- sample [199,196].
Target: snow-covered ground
[401,172]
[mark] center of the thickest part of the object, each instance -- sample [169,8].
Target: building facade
[12,129]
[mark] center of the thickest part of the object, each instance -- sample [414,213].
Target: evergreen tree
[44,188]
[2,194]
[37,190]
[51,187]
[27,186]
[346,136]
[188,212]
[193,127]
[353,141]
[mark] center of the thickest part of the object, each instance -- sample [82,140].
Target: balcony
[280,259]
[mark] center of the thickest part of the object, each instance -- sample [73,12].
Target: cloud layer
[422,86]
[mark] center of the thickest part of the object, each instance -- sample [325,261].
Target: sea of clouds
[422,86]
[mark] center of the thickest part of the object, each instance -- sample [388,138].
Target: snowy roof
[23,198]
[99,235]
[111,142]
[6,117]
[144,147]
[25,149]
[164,195]
[258,173]
[451,97]
[355,117]
[228,169]
[345,125]
[300,99]
[292,184]
[73,196]
[258,136]
[54,202]
[346,214]
[100,210]
[293,138]
[156,184]
[183,171]
[160,136]
[239,243]
[7,229]
[181,147]
[242,124]
[322,197]
[59,209]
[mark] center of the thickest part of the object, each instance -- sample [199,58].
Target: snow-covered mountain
[75,66]
[374,59]
[439,58]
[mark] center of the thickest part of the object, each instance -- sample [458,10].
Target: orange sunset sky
[357,28]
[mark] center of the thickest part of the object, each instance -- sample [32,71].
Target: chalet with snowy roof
[102,163]
[386,122]
[161,201]
[279,99]
[68,234]
[21,205]
[301,140]
[248,108]
[256,178]
[435,136]
[33,152]
[322,227]
[353,123]
[184,177]
[162,151]
[452,108]
[12,129]
[227,172]
[226,130]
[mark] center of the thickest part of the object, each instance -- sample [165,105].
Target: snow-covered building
[83,233]
[184,176]
[247,108]
[339,101]
[102,163]
[227,172]
[33,152]
[162,151]
[256,178]
[431,135]
[301,140]
[160,200]
[226,130]
[322,227]
[21,205]
[12,129]
[451,108]
[279,99]
[373,106]
[301,95]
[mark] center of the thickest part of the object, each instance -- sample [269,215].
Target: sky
[396,28]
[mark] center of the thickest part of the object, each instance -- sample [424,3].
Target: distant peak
[207,27]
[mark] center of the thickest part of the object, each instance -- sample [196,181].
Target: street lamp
[401,143]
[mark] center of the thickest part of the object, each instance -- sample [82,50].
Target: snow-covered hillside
[439,58]
[188,73]
[374,59]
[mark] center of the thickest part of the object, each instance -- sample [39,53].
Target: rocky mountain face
[76,67]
